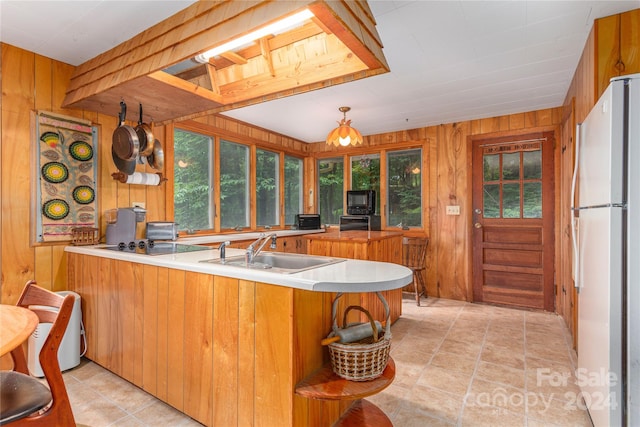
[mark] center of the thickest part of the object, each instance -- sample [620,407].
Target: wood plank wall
[32,82]
[447,181]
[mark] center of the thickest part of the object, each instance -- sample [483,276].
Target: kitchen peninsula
[383,246]
[225,345]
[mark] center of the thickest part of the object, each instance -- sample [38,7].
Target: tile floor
[457,364]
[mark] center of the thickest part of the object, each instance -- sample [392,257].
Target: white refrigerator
[606,238]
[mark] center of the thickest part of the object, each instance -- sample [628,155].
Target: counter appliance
[150,247]
[121,224]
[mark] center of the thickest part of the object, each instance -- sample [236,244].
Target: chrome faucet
[252,252]
[222,247]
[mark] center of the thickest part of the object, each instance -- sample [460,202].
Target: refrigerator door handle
[574,218]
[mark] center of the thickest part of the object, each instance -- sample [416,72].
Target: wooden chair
[26,401]
[414,256]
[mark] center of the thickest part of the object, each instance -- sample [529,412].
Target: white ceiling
[450,60]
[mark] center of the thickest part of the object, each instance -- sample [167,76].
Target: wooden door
[513,220]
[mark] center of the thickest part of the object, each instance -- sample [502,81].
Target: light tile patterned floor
[457,364]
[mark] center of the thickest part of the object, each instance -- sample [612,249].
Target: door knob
[477,225]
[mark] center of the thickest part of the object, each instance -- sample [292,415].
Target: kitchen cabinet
[293,244]
[223,350]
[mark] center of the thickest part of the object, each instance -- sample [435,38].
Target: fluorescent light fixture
[276,27]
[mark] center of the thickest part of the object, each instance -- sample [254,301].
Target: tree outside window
[365,174]
[292,188]
[267,188]
[234,185]
[330,189]
[193,173]
[404,188]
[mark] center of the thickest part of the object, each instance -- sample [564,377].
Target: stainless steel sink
[278,262]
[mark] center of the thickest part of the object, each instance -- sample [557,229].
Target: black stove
[151,247]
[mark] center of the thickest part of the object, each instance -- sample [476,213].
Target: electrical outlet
[453,210]
[139,205]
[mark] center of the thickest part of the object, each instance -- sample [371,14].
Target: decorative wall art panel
[67,170]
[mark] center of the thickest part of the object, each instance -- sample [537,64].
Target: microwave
[361,202]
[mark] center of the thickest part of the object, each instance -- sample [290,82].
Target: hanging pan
[156,159]
[145,136]
[125,142]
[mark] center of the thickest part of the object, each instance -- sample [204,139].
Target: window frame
[348,153]
[218,135]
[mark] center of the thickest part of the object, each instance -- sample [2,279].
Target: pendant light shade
[344,134]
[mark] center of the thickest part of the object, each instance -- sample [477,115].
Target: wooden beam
[266,54]
[212,73]
[234,57]
[206,24]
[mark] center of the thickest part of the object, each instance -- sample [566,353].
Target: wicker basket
[363,360]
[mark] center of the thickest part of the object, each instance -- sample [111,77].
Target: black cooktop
[150,247]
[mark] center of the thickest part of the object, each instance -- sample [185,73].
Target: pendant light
[344,134]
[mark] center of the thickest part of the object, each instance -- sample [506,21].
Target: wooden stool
[414,256]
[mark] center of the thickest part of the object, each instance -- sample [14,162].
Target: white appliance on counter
[606,239]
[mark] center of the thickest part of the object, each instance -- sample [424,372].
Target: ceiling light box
[176,72]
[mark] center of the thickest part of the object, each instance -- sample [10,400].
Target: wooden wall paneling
[162,343]
[125,309]
[89,290]
[58,268]
[226,350]
[198,347]
[18,83]
[451,240]
[629,40]
[246,352]
[157,197]
[608,56]
[274,392]
[176,331]
[150,330]
[108,348]
[138,324]
[431,146]
[308,307]
[43,266]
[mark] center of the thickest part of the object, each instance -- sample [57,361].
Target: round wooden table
[16,324]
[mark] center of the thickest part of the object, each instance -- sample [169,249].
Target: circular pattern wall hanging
[80,150]
[83,194]
[55,209]
[55,172]
[50,138]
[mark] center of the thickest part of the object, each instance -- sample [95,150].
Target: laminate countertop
[348,275]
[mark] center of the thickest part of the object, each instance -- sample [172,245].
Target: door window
[512,180]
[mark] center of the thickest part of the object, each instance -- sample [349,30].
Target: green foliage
[192,194]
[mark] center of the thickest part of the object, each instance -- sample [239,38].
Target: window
[193,195]
[330,189]
[404,188]
[267,188]
[234,185]
[513,176]
[365,174]
[292,188]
